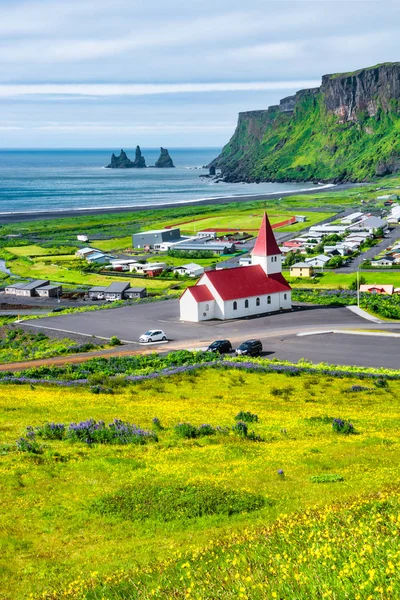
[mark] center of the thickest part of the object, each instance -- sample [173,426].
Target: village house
[190,270]
[99,258]
[318,261]
[301,269]
[241,292]
[385,261]
[378,289]
[85,252]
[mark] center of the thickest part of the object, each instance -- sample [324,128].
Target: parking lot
[278,332]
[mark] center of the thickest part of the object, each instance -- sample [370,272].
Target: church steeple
[266,252]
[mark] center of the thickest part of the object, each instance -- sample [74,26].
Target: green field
[40,270]
[118,243]
[332,280]
[33,250]
[103,516]
[243,219]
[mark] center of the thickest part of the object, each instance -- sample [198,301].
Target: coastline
[65,213]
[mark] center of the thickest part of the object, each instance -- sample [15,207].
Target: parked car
[250,348]
[154,335]
[220,346]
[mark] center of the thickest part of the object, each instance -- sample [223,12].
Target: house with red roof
[243,291]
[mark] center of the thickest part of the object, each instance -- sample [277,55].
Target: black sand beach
[35,216]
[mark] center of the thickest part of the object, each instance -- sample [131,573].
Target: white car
[154,335]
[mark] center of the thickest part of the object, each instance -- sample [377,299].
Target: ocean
[54,180]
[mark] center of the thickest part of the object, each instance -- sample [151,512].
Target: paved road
[393,235]
[278,332]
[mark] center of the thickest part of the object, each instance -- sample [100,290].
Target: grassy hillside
[202,516]
[312,144]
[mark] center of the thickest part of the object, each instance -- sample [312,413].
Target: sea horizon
[75,179]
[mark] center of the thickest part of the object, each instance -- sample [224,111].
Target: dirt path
[60,361]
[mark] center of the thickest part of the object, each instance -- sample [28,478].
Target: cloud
[145,89]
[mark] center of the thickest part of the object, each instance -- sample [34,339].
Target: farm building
[155,237]
[49,291]
[244,291]
[26,289]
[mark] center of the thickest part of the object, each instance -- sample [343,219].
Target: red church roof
[244,282]
[266,243]
[200,293]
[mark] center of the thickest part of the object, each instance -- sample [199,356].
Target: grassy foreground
[94,520]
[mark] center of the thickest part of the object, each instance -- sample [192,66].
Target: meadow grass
[41,270]
[67,513]
[117,243]
[332,280]
[243,219]
[34,250]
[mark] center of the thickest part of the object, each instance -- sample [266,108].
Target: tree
[353,284]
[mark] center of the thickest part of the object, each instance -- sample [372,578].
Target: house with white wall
[241,292]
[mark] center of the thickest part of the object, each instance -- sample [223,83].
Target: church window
[235,305]
[257,301]
[285,296]
[269,300]
[246,304]
[207,307]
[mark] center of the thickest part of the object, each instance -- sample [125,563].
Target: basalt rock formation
[123,162]
[345,130]
[164,161]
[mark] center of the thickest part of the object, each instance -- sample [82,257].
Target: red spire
[266,243]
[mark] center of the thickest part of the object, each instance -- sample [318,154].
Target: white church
[242,291]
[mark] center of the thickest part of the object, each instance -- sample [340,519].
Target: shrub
[172,501]
[358,388]
[205,429]
[29,445]
[381,383]
[341,426]
[51,431]
[115,341]
[157,424]
[326,478]
[248,417]
[241,428]
[117,432]
[186,430]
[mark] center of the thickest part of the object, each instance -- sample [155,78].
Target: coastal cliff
[164,161]
[345,130]
[123,162]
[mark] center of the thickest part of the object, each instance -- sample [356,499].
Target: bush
[186,430]
[169,501]
[29,445]
[241,428]
[51,431]
[117,432]
[248,417]
[115,341]
[341,426]
[326,478]
[381,383]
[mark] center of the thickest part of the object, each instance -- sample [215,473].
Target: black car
[250,348]
[220,346]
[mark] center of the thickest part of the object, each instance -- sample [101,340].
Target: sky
[174,73]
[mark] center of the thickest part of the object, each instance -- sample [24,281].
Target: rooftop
[266,243]
[245,282]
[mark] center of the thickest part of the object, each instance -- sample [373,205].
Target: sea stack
[123,162]
[120,162]
[164,161]
[139,162]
